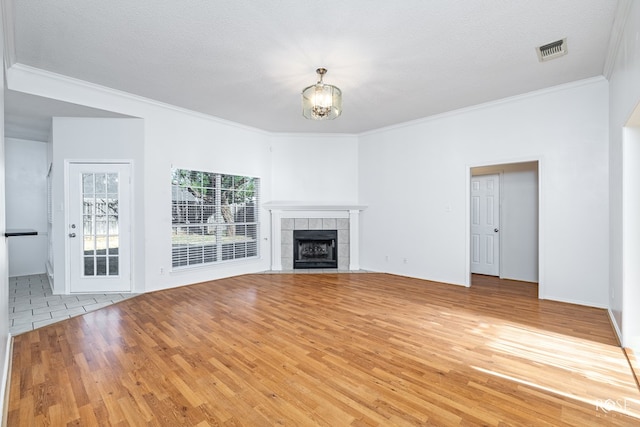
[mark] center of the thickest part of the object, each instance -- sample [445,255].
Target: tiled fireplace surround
[288,217]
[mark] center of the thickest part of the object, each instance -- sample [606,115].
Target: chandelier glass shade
[321,101]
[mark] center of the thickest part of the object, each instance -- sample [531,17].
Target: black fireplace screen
[315,249]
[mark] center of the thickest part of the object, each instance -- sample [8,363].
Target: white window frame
[215,218]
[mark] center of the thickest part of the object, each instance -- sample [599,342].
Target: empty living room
[363,213]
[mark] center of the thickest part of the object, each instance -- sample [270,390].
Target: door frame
[541,216]
[67,207]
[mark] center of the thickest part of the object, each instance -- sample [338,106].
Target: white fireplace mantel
[280,210]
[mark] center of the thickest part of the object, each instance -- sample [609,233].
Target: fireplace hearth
[315,249]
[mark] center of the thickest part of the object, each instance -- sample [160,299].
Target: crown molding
[617,30]
[8,33]
[313,135]
[21,72]
[490,104]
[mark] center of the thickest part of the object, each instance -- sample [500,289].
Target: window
[214,217]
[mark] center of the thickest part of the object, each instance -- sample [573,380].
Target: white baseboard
[616,328]
[575,302]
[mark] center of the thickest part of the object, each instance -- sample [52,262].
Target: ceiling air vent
[552,50]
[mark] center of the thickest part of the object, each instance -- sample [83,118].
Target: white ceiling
[247,61]
[29,117]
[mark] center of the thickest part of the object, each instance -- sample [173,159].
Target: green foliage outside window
[214,217]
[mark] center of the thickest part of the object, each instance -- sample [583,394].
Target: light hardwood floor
[330,350]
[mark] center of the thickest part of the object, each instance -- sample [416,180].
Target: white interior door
[485,224]
[98,232]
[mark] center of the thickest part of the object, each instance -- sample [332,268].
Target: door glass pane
[100,224]
[87,184]
[101,265]
[89,245]
[112,183]
[101,183]
[113,245]
[89,266]
[113,265]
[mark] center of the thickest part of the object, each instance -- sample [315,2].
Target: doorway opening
[503,225]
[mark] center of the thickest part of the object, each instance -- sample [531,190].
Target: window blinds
[215,217]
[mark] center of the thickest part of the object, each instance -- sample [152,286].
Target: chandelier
[321,101]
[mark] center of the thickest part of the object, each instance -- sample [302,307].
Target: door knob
[496,230]
[72,234]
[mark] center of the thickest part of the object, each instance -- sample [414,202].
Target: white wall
[415,180]
[86,140]
[518,219]
[172,137]
[631,240]
[26,203]
[199,144]
[315,168]
[4,262]
[416,172]
[50,234]
[623,99]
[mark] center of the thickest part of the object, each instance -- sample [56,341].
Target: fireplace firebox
[315,249]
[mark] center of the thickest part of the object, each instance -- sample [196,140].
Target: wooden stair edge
[633,363]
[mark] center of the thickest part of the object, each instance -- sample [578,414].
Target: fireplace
[289,216]
[315,249]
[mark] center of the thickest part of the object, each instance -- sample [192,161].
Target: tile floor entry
[32,304]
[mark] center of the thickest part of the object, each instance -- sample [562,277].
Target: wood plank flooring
[327,350]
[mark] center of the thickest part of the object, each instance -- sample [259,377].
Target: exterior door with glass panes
[98,231]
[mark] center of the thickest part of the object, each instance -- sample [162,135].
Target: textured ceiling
[247,61]
[29,117]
